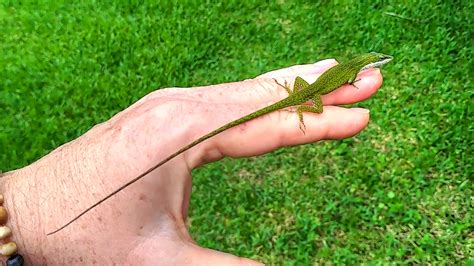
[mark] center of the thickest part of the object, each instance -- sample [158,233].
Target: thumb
[162,248]
[213,257]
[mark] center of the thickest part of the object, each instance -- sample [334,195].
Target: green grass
[399,192]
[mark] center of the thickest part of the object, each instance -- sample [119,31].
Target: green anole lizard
[302,92]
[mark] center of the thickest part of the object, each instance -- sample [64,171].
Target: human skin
[145,224]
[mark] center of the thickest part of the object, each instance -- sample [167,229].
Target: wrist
[22,218]
[35,197]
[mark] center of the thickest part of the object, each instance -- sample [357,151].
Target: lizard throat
[376,64]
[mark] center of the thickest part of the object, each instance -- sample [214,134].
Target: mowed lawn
[401,191]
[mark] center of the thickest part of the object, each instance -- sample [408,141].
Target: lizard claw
[303,128]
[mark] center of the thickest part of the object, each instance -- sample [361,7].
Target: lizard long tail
[273,107]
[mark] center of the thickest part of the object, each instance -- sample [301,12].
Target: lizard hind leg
[300,84]
[286,86]
[316,108]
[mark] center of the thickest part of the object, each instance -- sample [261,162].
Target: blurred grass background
[401,191]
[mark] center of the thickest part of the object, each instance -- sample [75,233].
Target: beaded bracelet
[9,249]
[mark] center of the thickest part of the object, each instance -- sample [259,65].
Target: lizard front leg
[353,80]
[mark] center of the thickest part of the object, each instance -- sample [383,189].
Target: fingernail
[370,71]
[325,62]
[360,110]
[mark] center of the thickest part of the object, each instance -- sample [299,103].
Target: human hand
[146,223]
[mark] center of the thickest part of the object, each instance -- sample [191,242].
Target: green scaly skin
[333,78]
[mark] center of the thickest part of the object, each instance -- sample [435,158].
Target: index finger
[300,70]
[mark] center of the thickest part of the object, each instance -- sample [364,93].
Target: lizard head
[375,59]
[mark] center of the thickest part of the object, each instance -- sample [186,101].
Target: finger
[213,257]
[167,250]
[255,93]
[253,138]
[298,70]
[370,81]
